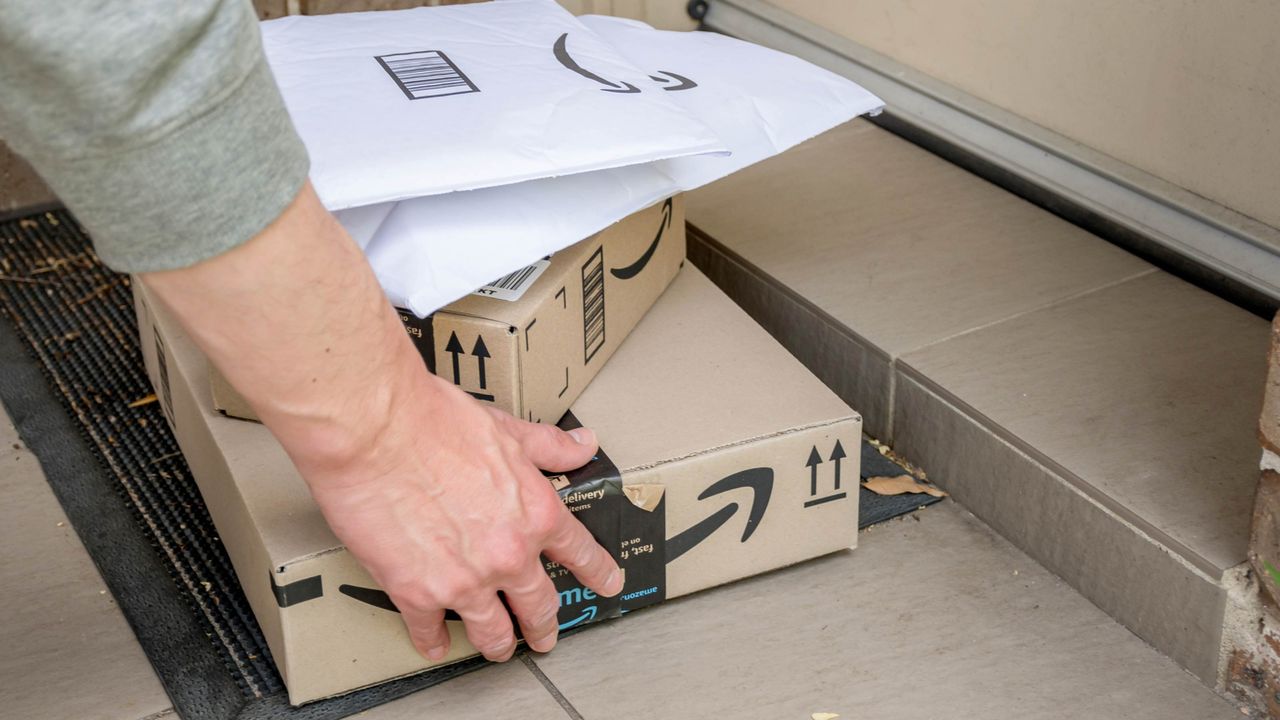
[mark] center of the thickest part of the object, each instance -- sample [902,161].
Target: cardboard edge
[852,416]
[150,322]
[655,474]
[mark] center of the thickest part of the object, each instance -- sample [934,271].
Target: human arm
[159,125]
[438,497]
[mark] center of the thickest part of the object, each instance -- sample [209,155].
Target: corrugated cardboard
[734,460]
[530,342]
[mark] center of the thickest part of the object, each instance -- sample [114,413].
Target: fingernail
[613,585]
[583,436]
[436,654]
[544,644]
[503,653]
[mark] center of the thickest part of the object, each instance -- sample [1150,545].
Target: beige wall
[1187,90]
[664,14]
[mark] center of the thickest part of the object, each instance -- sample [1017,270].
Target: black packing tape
[633,536]
[643,554]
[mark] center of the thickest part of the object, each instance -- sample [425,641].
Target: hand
[448,508]
[439,497]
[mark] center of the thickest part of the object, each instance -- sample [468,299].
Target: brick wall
[1251,669]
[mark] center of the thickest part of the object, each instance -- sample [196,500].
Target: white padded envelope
[401,104]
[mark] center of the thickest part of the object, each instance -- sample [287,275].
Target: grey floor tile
[1133,577]
[896,243]
[68,651]
[502,691]
[935,618]
[1146,393]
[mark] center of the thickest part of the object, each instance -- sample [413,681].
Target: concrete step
[933,616]
[1095,411]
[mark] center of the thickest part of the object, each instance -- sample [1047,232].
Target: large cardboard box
[531,342]
[722,457]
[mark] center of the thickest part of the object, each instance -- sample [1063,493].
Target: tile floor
[930,618]
[1032,368]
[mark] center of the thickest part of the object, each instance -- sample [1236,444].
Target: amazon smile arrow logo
[632,270]
[683,83]
[758,480]
[588,614]
[561,52]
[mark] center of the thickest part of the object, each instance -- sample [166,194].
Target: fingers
[428,632]
[536,605]
[547,446]
[573,547]
[489,628]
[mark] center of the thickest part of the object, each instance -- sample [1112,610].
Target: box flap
[697,339]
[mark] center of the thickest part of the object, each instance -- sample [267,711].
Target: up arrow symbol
[481,352]
[454,348]
[837,455]
[814,461]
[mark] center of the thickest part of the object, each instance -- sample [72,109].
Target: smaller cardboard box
[721,457]
[531,342]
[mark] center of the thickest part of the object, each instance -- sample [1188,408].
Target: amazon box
[721,457]
[530,342]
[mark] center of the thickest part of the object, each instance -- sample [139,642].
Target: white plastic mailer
[760,102]
[401,104]
[431,251]
[362,222]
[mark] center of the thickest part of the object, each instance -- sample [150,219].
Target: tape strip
[298,591]
[633,534]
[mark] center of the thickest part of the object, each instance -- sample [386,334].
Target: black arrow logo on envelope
[758,480]
[684,82]
[562,54]
[632,270]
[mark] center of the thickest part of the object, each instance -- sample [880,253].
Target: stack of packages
[462,143]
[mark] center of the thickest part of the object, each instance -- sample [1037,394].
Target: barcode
[426,74]
[166,401]
[511,287]
[515,279]
[593,305]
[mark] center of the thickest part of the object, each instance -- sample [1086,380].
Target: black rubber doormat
[70,369]
[72,380]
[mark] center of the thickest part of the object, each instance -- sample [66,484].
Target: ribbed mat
[71,378]
[70,367]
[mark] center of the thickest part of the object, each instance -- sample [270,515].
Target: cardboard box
[531,342]
[722,457]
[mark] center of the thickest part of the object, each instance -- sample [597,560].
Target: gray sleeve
[157,122]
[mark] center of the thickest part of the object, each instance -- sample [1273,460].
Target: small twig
[56,264]
[162,458]
[144,400]
[97,292]
[29,281]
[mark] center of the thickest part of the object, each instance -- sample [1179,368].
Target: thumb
[547,446]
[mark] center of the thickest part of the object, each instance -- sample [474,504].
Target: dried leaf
[900,485]
[888,452]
